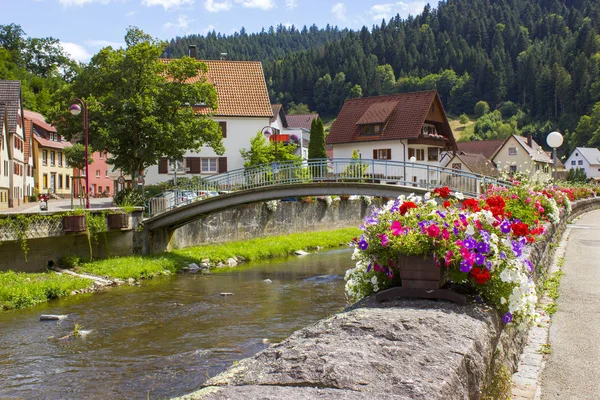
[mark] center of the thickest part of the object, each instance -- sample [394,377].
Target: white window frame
[209,165]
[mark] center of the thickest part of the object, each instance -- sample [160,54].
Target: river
[168,336]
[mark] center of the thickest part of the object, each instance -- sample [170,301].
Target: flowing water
[168,336]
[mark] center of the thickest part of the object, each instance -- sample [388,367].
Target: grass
[551,286]
[21,290]
[545,349]
[462,132]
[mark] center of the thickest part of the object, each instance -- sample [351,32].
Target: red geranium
[447,204]
[496,205]
[406,206]
[443,192]
[470,204]
[481,275]
[520,228]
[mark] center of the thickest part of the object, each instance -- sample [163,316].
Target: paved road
[572,369]
[59,205]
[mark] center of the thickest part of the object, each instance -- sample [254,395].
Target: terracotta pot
[117,221]
[417,272]
[74,223]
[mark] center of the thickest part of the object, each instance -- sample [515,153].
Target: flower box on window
[74,223]
[117,221]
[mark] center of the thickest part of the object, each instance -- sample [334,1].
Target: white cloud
[216,6]
[182,23]
[76,51]
[262,4]
[166,4]
[104,43]
[131,13]
[339,10]
[68,3]
[291,4]
[389,10]
[288,24]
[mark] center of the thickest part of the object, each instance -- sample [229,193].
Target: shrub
[128,197]
[481,108]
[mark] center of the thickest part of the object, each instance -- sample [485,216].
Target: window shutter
[411,153]
[223,126]
[193,163]
[163,166]
[374,154]
[389,154]
[222,164]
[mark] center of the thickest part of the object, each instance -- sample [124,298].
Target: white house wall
[522,160]
[591,171]
[239,132]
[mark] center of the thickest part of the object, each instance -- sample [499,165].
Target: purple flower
[384,240]
[369,267]
[469,243]
[483,247]
[485,235]
[505,226]
[479,259]
[517,248]
[465,266]
[441,214]
[488,264]
[529,265]
[507,318]
[502,255]
[418,215]
[362,244]
[371,221]
[456,232]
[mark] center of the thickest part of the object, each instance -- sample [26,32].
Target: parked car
[205,194]
[186,196]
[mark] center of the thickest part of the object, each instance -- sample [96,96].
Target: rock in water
[268,281]
[231,262]
[226,294]
[300,253]
[192,268]
[50,317]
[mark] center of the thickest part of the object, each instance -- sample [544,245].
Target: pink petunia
[396,228]
[433,231]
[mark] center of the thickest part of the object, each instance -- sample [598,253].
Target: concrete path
[572,368]
[59,205]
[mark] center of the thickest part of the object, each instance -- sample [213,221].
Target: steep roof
[592,155]
[406,114]
[278,110]
[241,88]
[10,96]
[2,117]
[39,120]
[535,151]
[478,163]
[301,120]
[485,147]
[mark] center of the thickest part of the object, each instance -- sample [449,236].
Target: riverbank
[22,290]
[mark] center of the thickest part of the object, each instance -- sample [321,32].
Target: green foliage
[500,387]
[260,151]
[481,108]
[128,198]
[95,224]
[464,119]
[21,290]
[75,156]
[316,147]
[508,109]
[577,175]
[297,109]
[69,262]
[356,170]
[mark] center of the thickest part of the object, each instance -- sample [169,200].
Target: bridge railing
[387,172]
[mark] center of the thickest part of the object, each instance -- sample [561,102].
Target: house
[523,155]
[15,164]
[4,159]
[399,127]
[587,159]
[485,147]
[283,133]
[52,174]
[470,162]
[243,110]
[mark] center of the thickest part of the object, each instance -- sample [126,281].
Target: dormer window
[371,129]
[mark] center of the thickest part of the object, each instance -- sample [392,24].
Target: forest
[536,63]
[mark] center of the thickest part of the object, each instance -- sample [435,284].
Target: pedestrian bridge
[346,176]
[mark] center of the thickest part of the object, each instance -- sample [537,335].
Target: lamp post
[76,110]
[554,140]
[268,131]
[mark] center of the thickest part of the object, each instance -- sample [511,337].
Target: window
[223,126]
[52,157]
[513,169]
[457,166]
[5,168]
[106,174]
[580,162]
[67,181]
[512,151]
[60,159]
[573,162]
[418,154]
[101,155]
[432,154]
[537,167]
[382,154]
[45,157]
[209,165]
[45,181]
[97,173]
[370,130]
[60,181]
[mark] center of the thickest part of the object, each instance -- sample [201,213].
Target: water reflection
[168,336]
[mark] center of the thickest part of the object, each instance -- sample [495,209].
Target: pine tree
[316,147]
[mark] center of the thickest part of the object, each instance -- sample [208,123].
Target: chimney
[529,141]
[192,51]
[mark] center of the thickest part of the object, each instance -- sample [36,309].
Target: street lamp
[268,131]
[76,110]
[554,140]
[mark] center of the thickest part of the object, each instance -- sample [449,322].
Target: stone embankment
[402,349]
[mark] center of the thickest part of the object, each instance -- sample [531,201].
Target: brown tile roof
[39,120]
[478,163]
[2,117]
[485,147]
[51,143]
[404,122]
[10,95]
[301,120]
[241,88]
[535,151]
[276,108]
[377,113]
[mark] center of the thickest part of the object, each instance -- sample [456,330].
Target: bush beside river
[21,290]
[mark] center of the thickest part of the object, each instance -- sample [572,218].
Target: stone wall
[401,349]
[256,220]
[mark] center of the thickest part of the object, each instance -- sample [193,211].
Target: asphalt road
[572,368]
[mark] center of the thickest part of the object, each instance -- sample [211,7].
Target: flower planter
[74,223]
[421,278]
[117,221]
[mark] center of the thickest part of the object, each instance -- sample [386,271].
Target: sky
[85,26]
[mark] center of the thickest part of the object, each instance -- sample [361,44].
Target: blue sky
[85,26]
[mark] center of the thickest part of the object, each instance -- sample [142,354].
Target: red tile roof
[301,120]
[485,147]
[404,122]
[10,96]
[377,113]
[35,124]
[51,143]
[478,163]
[241,88]
[27,133]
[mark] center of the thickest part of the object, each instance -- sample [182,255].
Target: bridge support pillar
[158,241]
